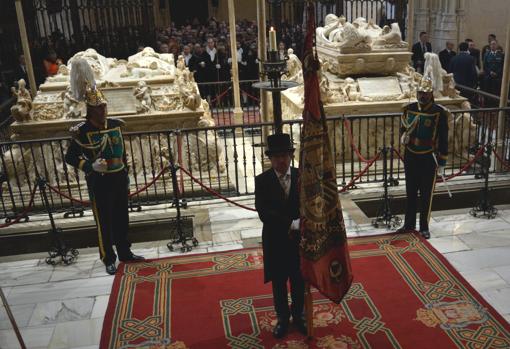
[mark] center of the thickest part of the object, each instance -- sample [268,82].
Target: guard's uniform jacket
[424,131]
[108,191]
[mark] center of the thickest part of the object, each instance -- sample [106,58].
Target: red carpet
[404,295]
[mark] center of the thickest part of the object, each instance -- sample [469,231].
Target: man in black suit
[419,50]
[463,67]
[20,72]
[475,53]
[277,203]
[493,63]
[487,48]
[446,56]
[189,59]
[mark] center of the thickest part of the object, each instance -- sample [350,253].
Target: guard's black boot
[111,269]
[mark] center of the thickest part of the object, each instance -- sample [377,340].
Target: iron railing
[291,12]
[226,158]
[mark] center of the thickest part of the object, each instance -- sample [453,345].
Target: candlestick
[272,39]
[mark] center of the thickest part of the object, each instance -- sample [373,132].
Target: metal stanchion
[179,236]
[384,216]
[59,252]
[484,207]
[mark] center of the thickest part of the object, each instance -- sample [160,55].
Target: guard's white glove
[218,66]
[100,165]
[202,64]
[229,61]
[440,170]
[295,224]
[257,60]
[244,63]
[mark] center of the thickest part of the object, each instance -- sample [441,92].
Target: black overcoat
[281,249]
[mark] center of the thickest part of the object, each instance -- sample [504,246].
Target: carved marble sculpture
[361,35]
[294,68]
[72,108]
[142,94]
[187,87]
[100,64]
[21,110]
[351,90]
[148,63]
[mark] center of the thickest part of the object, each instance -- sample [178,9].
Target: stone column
[261,24]
[461,16]
[503,101]
[444,24]
[26,47]
[410,24]
[238,111]
[421,18]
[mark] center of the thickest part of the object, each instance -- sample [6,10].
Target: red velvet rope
[214,192]
[220,96]
[359,175]
[250,96]
[25,211]
[478,154]
[501,160]
[398,154]
[87,203]
[218,195]
[458,173]
[353,146]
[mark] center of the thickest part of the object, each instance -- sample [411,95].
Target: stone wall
[456,20]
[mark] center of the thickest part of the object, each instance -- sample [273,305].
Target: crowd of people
[206,51]
[205,47]
[470,66]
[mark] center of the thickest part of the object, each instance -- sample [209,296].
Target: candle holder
[274,68]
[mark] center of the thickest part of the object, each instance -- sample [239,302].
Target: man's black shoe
[133,258]
[425,233]
[111,269]
[281,329]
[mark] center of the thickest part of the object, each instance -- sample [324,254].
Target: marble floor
[64,306]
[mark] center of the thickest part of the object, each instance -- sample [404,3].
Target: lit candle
[272,39]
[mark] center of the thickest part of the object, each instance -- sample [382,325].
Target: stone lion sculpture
[21,110]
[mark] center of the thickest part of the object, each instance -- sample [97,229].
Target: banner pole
[309,310]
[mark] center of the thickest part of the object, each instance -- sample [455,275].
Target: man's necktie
[284,181]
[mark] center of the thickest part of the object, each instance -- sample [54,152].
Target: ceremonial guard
[277,203]
[493,69]
[97,148]
[424,133]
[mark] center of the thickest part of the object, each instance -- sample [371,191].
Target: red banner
[325,261]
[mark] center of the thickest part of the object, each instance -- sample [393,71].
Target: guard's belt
[422,142]
[114,162]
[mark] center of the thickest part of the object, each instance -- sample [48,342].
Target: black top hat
[279,143]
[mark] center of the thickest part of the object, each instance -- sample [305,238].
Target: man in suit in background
[493,69]
[487,48]
[189,59]
[277,203]
[419,50]
[475,53]
[20,72]
[446,56]
[463,67]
